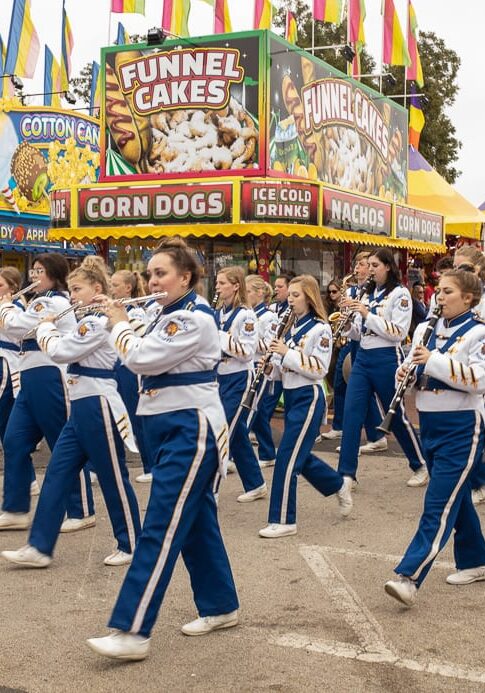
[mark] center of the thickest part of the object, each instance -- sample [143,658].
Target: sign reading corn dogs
[174,204]
[418,225]
[329,127]
[188,107]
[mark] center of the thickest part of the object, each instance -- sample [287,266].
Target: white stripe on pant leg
[5,373]
[405,420]
[84,494]
[435,547]
[115,465]
[172,528]
[294,455]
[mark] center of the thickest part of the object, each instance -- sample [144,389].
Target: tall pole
[313,35]
[109,27]
[405,66]
[382,47]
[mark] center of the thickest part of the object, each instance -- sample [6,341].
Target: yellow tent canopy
[428,190]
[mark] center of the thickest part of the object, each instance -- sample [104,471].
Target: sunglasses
[333,291]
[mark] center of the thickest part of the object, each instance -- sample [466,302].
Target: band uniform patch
[325,342]
[249,326]
[171,329]
[404,303]
[38,307]
[483,349]
[82,330]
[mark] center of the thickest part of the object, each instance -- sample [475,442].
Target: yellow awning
[429,191]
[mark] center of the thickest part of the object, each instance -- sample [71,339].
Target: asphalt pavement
[314,615]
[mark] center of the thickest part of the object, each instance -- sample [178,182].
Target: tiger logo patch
[249,326]
[38,307]
[325,343]
[82,330]
[404,303]
[171,329]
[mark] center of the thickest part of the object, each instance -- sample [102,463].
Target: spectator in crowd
[420,310]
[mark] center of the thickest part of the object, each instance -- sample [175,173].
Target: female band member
[41,407]
[304,357]
[184,419]
[382,323]
[451,385]
[259,294]
[10,283]
[239,340]
[95,430]
[126,284]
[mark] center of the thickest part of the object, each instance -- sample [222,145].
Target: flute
[25,290]
[385,425]
[285,322]
[74,306]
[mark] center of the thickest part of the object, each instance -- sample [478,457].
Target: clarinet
[215,300]
[283,325]
[385,425]
[346,319]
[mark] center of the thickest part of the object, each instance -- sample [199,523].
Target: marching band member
[97,425]
[376,441]
[10,283]
[41,407]
[382,322]
[126,284]
[451,385]
[184,419]
[259,293]
[304,355]
[239,340]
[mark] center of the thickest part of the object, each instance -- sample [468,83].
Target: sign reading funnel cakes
[187,108]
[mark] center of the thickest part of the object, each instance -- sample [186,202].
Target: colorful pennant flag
[23,42]
[67,47]
[95,94]
[7,90]
[263,14]
[327,11]
[52,80]
[122,38]
[416,119]
[126,6]
[222,18]
[415,70]
[356,17]
[175,17]
[394,50]
[291,31]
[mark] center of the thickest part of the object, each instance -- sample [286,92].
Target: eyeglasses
[333,291]
[36,272]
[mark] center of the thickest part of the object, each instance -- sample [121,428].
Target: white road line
[372,643]
[380,556]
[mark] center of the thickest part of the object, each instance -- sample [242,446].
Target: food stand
[252,149]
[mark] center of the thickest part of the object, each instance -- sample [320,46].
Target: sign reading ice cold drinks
[295,203]
[172,204]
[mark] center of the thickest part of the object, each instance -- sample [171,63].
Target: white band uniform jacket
[11,356]
[462,368]
[239,343]
[17,323]
[389,326]
[182,341]
[264,323]
[307,362]
[88,345]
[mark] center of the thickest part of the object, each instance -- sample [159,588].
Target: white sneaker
[478,495]
[206,624]
[254,494]
[118,557]
[94,478]
[28,556]
[273,531]
[121,645]
[14,521]
[419,478]
[74,524]
[318,439]
[231,467]
[144,478]
[466,577]
[332,434]
[377,446]
[344,497]
[266,463]
[403,589]
[34,488]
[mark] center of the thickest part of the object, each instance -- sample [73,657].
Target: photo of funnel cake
[29,170]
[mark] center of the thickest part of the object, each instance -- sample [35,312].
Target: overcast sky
[460,24]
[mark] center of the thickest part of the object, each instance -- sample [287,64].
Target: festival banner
[60,212]
[348,212]
[288,202]
[41,148]
[184,109]
[209,203]
[26,233]
[325,126]
[413,224]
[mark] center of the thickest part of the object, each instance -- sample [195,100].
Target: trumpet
[385,425]
[283,327]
